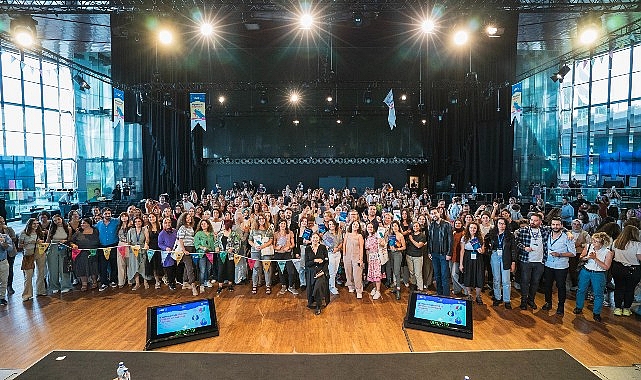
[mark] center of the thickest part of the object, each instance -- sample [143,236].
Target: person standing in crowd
[302,244]
[166,243]
[205,242]
[567,212]
[27,241]
[353,258]
[439,247]
[229,243]
[581,240]
[396,249]
[108,238]
[500,242]
[138,266]
[58,258]
[333,240]
[153,229]
[471,261]
[457,235]
[186,245]
[6,246]
[414,254]
[261,238]
[85,239]
[283,245]
[531,242]
[598,259]
[316,261]
[11,253]
[560,249]
[372,242]
[626,269]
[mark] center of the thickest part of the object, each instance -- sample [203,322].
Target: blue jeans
[204,267]
[597,279]
[441,274]
[500,278]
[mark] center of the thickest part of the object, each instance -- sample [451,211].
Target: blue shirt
[107,232]
[4,251]
[561,244]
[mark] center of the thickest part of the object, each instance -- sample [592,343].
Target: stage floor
[524,365]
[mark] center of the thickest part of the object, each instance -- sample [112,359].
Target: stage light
[357,18]
[560,75]
[165,37]
[589,35]
[263,98]
[494,31]
[367,97]
[306,21]
[428,26]
[338,121]
[329,98]
[23,30]
[206,29]
[424,121]
[294,98]
[403,97]
[589,29]
[296,122]
[221,99]
[461,37]
[81,82]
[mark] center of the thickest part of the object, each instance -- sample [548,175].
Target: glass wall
[588,127]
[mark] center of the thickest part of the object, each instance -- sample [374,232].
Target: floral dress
[373,260]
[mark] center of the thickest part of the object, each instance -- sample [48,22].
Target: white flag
[391,117]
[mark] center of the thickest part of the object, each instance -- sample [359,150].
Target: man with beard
[439,247]
[532,244]
[108,234]
[559,251]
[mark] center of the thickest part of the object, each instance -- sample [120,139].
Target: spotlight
[338,120]
[560,75]
[589,29]
[367,97]
[165,37]
[263,98]
[23,30]
[424,121]
[329,98]
[428,26]
[296,122]
[306,21]
[206,29]
[294,98]
[589,35]
[81,82]
[403,97]
[221,99]
[494,31]
[461,37]
[357,18]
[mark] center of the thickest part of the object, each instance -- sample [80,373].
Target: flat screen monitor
[443,315]
[180,322]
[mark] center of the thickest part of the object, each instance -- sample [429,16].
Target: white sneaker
[359,296]
[202,288]
[372,292]
[351,290]
[283,290]
[186,285]
[292,291]
[334,291]
[376,295]
[194,290]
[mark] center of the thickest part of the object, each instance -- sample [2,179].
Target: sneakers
[66,290]
[3,302]
[113,284]
[202,288]
[376,295]
[577,311]
[351,290]
[618,312]
[546,306]
[597,317]
[186,285]
[508,306]
[157,286]
[194,290]
[397,294]
[626,312]
[292,291]
[359,296]
[372,292]
[103,287]
[283,290]
[172,287]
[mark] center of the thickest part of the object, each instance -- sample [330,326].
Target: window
[13,118]
[12,90]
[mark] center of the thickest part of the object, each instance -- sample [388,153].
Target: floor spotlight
[329,98]
[338,120]
[403,97]
[23,30]
[560,75]
[81,82]
[367,97]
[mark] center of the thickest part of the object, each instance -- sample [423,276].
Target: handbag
[28,262]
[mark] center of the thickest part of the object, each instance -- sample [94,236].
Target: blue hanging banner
[517,105]
[118,108]
[197,110]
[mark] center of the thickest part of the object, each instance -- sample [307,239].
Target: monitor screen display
[445,315]
[181,322]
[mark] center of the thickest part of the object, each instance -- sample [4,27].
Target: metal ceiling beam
[161,6]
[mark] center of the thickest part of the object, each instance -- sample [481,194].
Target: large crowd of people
[319,241]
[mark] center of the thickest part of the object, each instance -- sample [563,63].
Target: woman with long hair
[185,243]
[597,258]
[28,239]
[122,251]
[303,241]
[205,242]
[58,257]
[153,230]
[261,239]
[283,245]
[396,246]
[166,243]
[471,261]
[316,262]
[138,266]
[73,221]
[374,274]
[458,231]
[229,243]
[85,240]
[333,240]
[353,258]
[626,269]
[500,243]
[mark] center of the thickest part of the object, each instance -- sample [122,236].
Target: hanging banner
[210,257]
[267,265]
[197,110]
[74,253]
[135,249]
[281,265]
[167,260]
[251,263]
[517,105]
[391,117]
[118,108]
[237,259]
[122,250]
[92,252]
[150,254]
[223,256]
[42,248]
[107,253]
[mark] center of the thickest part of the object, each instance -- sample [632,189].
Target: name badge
[473,256]
[535,244]
[499,252]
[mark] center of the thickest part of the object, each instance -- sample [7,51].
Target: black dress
[317,288]
[473,269]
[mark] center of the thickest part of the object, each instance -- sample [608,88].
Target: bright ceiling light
[306,21]
[165,36]
[589,35]
[294,97]
[206,29]
[461,37]
[427,26]
[221,99]
[23,31]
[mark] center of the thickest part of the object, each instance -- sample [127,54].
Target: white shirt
[600,254]
[536,243]
[628,256]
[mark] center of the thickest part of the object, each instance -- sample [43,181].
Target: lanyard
[536,235]
[555,240]
[501,237]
